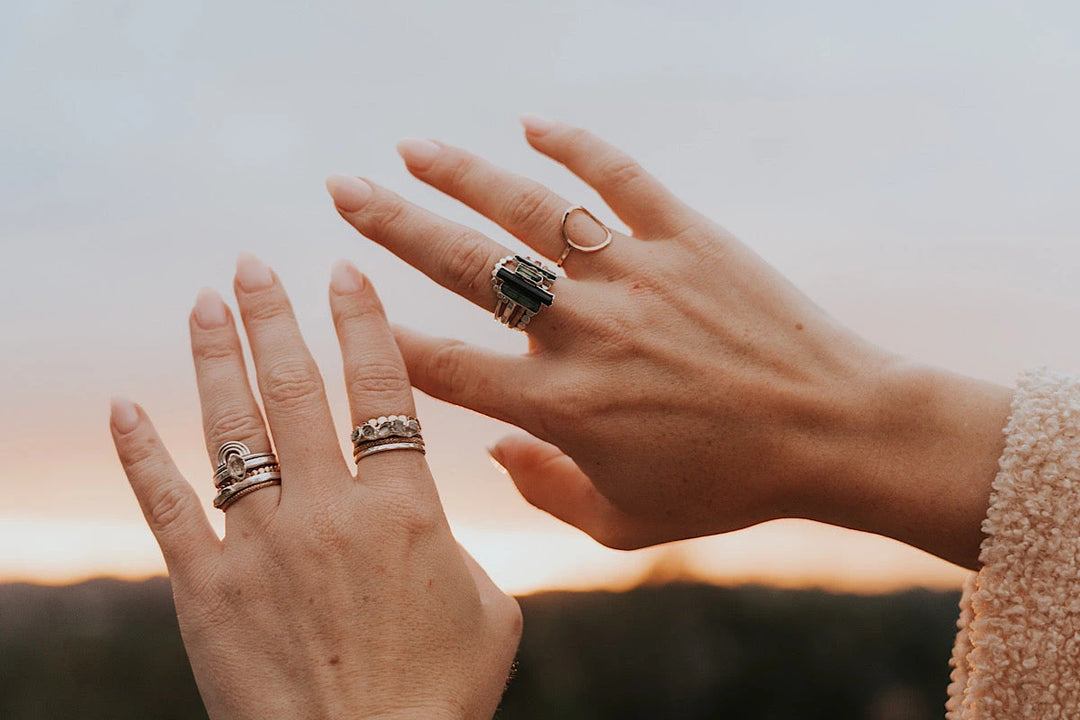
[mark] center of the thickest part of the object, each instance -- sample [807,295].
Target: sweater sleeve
[1017,652]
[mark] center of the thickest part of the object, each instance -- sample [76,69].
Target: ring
[387,432]
[571,245]
[235,462]
[522,286]
[241,471]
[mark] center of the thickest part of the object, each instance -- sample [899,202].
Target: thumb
[550,480]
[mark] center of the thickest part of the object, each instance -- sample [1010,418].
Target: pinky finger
[550,480]
[168,502]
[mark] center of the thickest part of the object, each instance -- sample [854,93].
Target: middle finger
[292,388]
[526,209]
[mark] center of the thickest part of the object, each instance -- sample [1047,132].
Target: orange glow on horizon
[787,554]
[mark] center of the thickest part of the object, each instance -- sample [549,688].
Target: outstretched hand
[678,386]
[333,594]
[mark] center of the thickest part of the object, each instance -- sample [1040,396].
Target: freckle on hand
[335,660]
[798,326]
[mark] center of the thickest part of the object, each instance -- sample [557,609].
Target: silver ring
[241,471]
[384,447]
[386,426]
[571,245]
[231,493]
[387,432]
[522,287]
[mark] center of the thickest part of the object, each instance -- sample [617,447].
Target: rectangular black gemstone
[510,278]
[521,296]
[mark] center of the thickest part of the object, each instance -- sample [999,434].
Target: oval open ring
[571,245]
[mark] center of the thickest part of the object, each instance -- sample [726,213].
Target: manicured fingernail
[209,309]
[124,415]
[536,125]
[345,278]
[493,453]
[418,154]
[253,273]
[349,193]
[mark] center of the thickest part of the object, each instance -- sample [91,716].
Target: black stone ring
[522,286]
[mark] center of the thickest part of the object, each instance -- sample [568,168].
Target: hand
[332,595]
[679,386]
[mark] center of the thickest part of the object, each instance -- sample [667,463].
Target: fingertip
[418,154]
[535,125]
[252,274]
[345,278]
[123,415]
[349,193]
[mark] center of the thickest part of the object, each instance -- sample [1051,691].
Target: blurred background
[911,166]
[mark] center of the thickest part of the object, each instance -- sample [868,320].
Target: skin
[337,594]
[679,386]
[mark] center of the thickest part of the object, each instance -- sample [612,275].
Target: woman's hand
[334,595]
[679,386]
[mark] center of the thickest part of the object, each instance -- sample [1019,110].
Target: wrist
[916,458]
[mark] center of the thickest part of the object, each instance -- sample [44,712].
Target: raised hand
[333,594]
[678,385]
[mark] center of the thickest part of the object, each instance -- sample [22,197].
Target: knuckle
[213,353]
[459,171]
[267,308]
[620,170]
[467,264]
[389,215]
[290,381]
[233,423]
[166,504]
[526,208]
[141,453]
[375,378]
[446,365]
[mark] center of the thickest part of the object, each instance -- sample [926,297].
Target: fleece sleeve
[1017,652]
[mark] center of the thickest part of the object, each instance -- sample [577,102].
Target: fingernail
[418,154]
[253,273]
[536,125]
[124,415]
[345,278]
[209,309]
[349,193]
[493,453]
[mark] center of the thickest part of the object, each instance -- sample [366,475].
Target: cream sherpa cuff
[1017,654]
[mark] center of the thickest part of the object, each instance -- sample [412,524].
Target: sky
[911,166]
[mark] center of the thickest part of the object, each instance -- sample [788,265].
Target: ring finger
[228,405]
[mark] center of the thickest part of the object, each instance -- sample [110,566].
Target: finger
[523,207]
[229,410]
[375,377]
[289,381]
[637,197]
[496,385]
[550,480]
[169,504]
[457,257]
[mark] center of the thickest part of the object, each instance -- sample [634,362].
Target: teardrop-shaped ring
[571,245]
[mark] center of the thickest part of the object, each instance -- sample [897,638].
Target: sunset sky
[911,166]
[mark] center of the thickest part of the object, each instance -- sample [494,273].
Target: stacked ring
[388,432]
[522,287]
[240,471]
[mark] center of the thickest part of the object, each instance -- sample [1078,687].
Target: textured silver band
[231,493]
[385,447]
